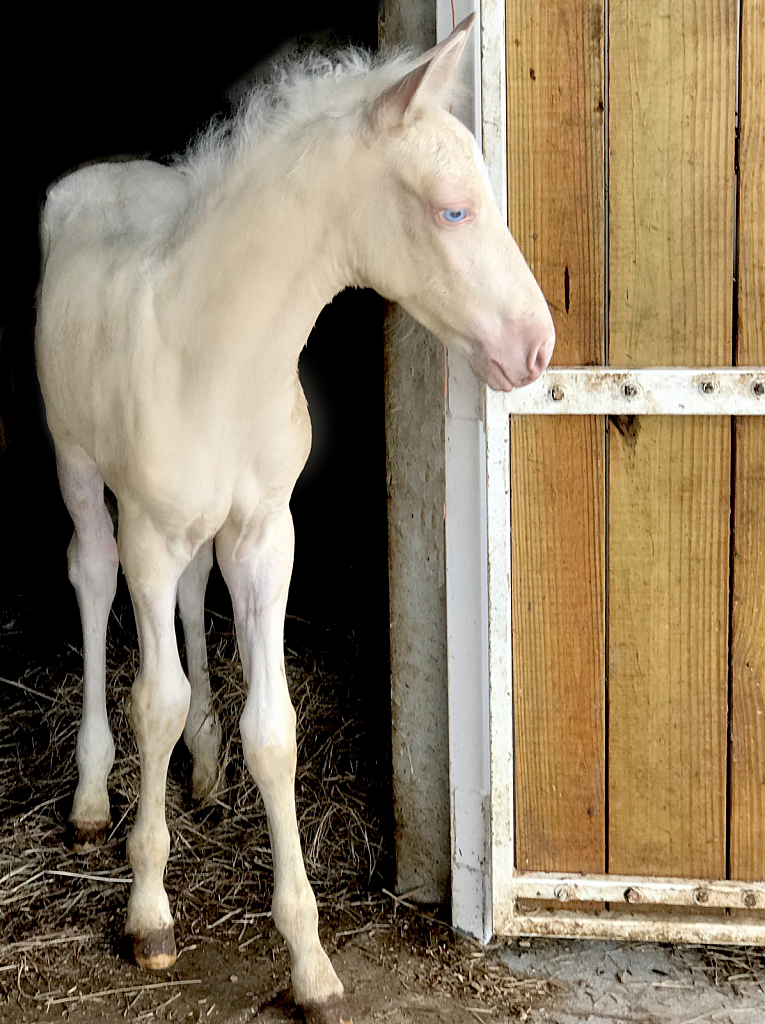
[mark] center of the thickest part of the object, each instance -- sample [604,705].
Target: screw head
[565,893]
[708,387]
[629,390]
[759,388]
[632,895]
[557,393]
[701,896]
[749,899]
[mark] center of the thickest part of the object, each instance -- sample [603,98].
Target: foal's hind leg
[202,731]
[258,579]
[93,565]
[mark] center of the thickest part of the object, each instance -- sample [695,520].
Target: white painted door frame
[466,540]
[485,882]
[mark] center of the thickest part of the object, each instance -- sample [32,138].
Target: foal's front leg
[258,578]
[159,705]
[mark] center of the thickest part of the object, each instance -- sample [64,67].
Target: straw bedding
[219,871]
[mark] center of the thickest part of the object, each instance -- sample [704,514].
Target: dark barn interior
[69,97]
[66,104]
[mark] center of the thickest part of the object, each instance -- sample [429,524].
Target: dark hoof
[202,788]
[155,950]
[334,1011]
[86,836]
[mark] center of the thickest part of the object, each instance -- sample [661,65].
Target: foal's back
[135,202]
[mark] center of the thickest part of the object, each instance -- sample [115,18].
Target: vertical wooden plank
[556,210]
[558,530]
[747,811]
[672,94]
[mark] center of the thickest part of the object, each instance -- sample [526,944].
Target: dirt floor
[398,966]
[395,967]
[61,914]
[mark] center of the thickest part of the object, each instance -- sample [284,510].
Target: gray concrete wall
[416,497]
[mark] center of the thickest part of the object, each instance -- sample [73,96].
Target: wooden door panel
[747,810]
[671,159]
[556,212]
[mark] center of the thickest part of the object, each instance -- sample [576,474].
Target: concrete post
[415,404]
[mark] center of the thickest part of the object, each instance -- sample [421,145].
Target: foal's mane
[302,93]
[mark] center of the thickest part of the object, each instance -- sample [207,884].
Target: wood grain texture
[672,102]
[556,212]
[668,585]
[671,181]
[558,517]
[747,809]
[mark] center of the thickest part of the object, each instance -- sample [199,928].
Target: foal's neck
[266,254]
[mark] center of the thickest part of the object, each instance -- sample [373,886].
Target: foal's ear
[430,80]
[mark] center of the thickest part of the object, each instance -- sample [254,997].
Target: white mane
[301,94]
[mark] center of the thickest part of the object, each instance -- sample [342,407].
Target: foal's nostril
[537,360]
[539,356]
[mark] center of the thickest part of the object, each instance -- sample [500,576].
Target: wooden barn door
[638,541]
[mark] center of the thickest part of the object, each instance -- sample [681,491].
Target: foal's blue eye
[454,216]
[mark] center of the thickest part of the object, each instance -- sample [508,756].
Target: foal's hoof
[334,1011]
[203,783]
[155,950]
[83,836]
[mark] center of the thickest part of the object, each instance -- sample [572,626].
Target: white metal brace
[658,391]
[571,889]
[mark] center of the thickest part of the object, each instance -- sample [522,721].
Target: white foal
[173,308]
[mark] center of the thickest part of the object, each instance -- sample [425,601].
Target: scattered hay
[428,954]
[737,967]
[219,872]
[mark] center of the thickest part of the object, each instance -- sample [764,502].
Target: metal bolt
[565,893]
[632,896]
[701,896]
[557,393]
[749,899]
[708,387]
[758,388]
[629,390]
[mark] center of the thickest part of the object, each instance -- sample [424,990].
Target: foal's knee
[93,563]
[159,706]
[270,750]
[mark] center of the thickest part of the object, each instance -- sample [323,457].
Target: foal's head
[432,237]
